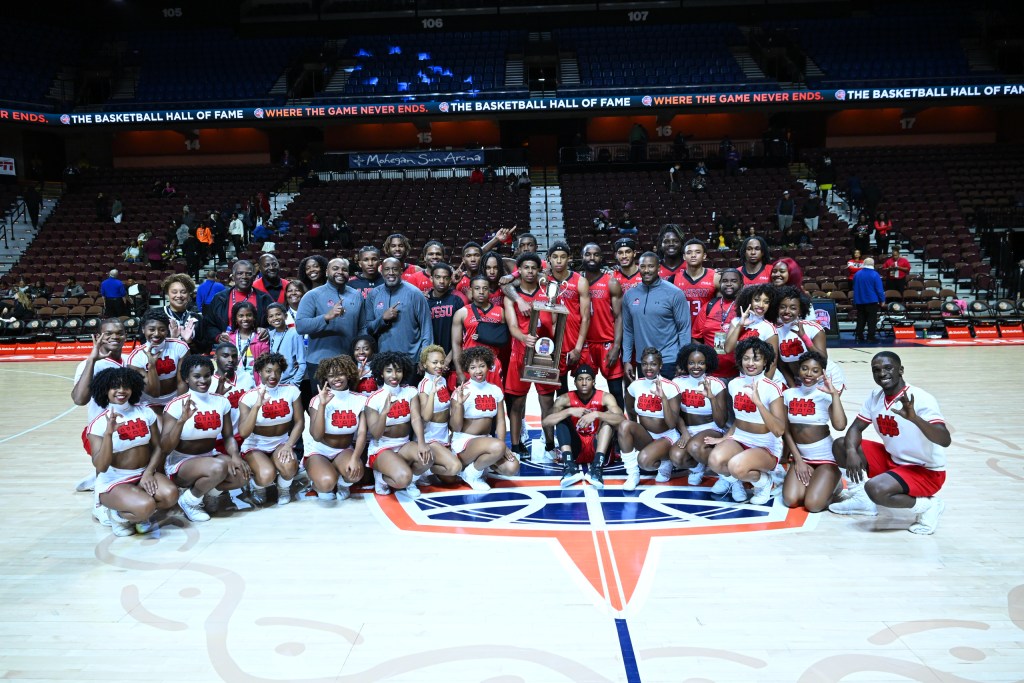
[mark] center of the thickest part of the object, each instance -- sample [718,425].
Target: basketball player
[574,294]
[604,336]
[703,409]
[585,421]
[908,468]
[670,252]
[628,270]
[471,255]
[698,283]
[481,323]
[646,443]
[334,444]
[754,260]
[398,246]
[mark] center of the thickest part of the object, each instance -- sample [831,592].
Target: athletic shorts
[310,446]
[917,481]
[267,444]
[694,430]
[817,453]
[672,435]
[219,446]
[515,386]
[460,441]
[767,441]
[105,481]
[595,355]
[436,432]
[85,441]
[175,460]
[386,443]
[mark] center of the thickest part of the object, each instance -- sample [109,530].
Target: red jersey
[602,321]
[711,327]
[595,404]
[671,274]
[628,282]
[761,277]
[569,296]
[420,280]
[698,292]
[494,314]
[543,321]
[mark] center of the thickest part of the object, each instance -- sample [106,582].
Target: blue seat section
[210,65]
[655,57]
[457,62]
[30,56]
[897,45]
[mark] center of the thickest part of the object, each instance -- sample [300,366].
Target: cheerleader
[190,428]
[363,349]
[125,444]
[337,435]
[811,404]
[757,304]
[271,423]
[244,336]
[435,400]
[393,414]
[478,422]
[158,359]
[751,449]
[703,409]
[797,336]
[656,403]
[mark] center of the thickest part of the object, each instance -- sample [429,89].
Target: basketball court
[527,582]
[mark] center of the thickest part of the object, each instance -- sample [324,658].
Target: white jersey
[442,399]
[807,406]
[691,394]
[341,416]
[99,366]
[400,411]
[483,401]
[741,390]
[212,410]
[791,346]
[277,408]
[134,426]
[903,440]
[758,327]
[167,357]
[648,404]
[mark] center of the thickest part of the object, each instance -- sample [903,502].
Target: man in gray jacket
[332,316]
[397,314]
[655,313]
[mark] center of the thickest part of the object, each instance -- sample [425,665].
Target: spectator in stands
[868,297]
[204,234]
[675,178]
[511,182]
[153,248]
[855,263]
[476,177]
[269,282]
[603,221]
[117,210]
[314,228]
[138,296]
[156,188]
[854,193]
[896,269]
[626,225]
[102,210]
[861,232]
[23,309]
[811,212]
[798,236]
[187,217]
[524,182]
[312,271]
[883,226]
[489,175]
[679,148]
[33,203]
[397,313]
[219,227]
[784,211]
[341,232]
[72,289]
[236,232]
[133,252]
[732,161]
[115,295]
[217,313]
[181,234]
[208,289]
[826,178]
[638,143]
[39,290]
[192,249]
[168,190]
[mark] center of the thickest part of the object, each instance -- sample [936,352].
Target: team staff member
[908,468]
[712,325]
[397,314]
[331,315]
[655,314]
[217,313]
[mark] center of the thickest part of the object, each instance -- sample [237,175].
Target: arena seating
[30,57]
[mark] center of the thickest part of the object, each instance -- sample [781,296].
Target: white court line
[41,424]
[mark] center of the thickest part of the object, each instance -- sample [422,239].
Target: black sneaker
[570,473]
[595,475]
[522,451]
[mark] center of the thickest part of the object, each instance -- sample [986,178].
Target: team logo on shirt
[343,419]
[207,420]
[791,347]
[887,425]
[273,410]
[692,399]
[485,403]
[165,366]
[744,404]
[133,429]
[801,407]
[649,403]
[399,409]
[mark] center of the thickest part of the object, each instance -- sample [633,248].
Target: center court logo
[606,533]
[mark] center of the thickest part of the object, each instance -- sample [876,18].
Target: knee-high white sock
[630,460]
[282,482]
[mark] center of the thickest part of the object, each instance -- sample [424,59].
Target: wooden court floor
[527,583]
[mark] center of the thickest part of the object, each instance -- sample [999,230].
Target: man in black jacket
[217,313]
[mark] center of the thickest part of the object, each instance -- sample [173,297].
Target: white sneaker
[928,520]
[343,491]
[192,507]
[632,481]
[739,494]
[120,526]
[380,487]
[664,472]
[477,483]
[778,475]
[145,527]
[763,493]
[99,513]
[723,484]
[87,484]
[326,497]
[696,475]
[547,457]
[284,493]
[412,491]
[857,504]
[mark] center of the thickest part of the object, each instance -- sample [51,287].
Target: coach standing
[397,313]
[868,296]
[654,314]
[331,315]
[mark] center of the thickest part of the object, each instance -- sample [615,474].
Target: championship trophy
[541,363]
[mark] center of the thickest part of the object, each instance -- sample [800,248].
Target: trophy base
[541,375]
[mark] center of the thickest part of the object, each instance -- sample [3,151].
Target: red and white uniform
[588,434]
[233,393]
[436,432]
[905,452]
[649,404]
[693,401]
[341,417]
[167,356]
[420,280]
[399,413]
[134,428]
[482,403]
[276,410]
[810,406]
[601,333]
[671,275]
[569,296]
[628,282]
[741,390]
[462,290]
[513,385]
[791,347]
[712,327]
[367,385]
[698,292]
[760,328]
[99,366]
[761,277]
[474,316]
[212,411]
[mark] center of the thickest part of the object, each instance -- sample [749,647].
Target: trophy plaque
[541,362]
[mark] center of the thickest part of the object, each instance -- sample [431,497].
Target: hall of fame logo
[605,533]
